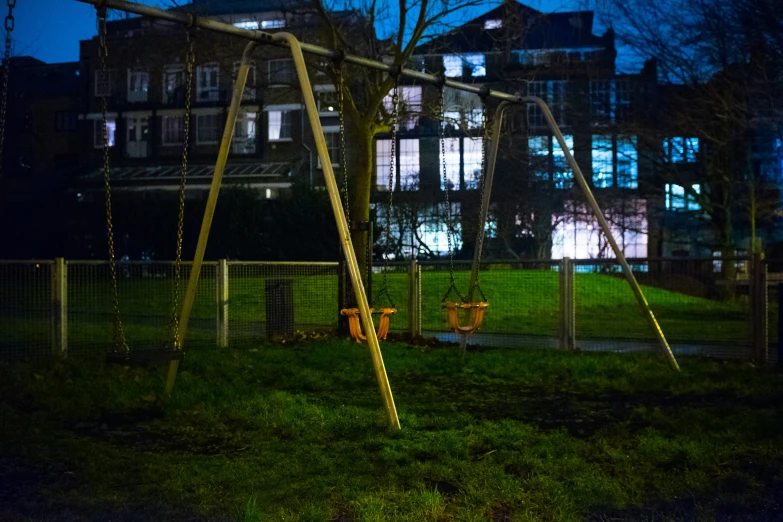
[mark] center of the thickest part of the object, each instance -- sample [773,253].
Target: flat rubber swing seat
[355,326]
[476,315]
[144,357]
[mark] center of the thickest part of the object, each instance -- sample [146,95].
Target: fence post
[414,298]
[780,324]
[221,296]
[757,289]
[59,308]
[567,317]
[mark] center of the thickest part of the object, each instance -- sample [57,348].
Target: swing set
[362,314]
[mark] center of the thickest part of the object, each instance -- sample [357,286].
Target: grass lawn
[295,432]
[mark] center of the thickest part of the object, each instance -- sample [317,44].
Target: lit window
[272,24]
[279,125]
[138,86]
[251,83]
[493,24]
[539,156]
[247,24]
[462,109]
[433,230]
[627,162]
[563,176]
[333,147]
[603,168]
[172,130]
[244,141]
[208,82]
[453,66]
[281,71]
[207,129]
[173,83]
[678,199]
[541,149]
[103,83]
[451,160]
[409,164]
[472,161]
[680,149]
[328,101]
[98,134]
[615,162]
[478,64]
[383,164]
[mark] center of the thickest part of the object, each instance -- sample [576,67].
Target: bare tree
[366,114]
[717,63]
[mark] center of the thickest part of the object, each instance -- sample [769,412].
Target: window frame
[163,131]
[138,96]
[216,128]
[170,70]
[284,115]
[289,75]
[97,139]
[104,79]
[213,91]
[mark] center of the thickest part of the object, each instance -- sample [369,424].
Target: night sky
[50,30]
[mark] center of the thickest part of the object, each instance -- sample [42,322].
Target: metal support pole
[489,178]
[758,308]
[342,227]
[59,308]
[414,298]
[780,324]
[221,295]
[567,322]
[599,215]
[209,211]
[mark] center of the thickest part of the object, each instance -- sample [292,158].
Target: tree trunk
[360,175]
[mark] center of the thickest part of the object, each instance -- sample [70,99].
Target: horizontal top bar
[261,36]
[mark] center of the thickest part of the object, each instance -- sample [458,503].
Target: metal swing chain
[392,171]
[119,343]
[343,158]
[482,186]
[449,224]
[9,28]
[190,59]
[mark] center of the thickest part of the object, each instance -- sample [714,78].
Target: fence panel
[396,276]
[523,296]
[25,308]
[146,301]
[701,306]
[267,299]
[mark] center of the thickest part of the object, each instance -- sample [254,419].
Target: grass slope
[295,432]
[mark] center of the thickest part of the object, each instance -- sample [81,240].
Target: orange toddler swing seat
[476,315]
[355,327]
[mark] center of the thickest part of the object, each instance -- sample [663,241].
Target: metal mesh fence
[396,283]
[277,299]
[701,305]
[523,296]
[146,300]
[774,296]
[25,308]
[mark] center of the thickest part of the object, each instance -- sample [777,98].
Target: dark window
[65,121]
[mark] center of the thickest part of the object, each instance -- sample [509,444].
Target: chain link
[119,343]
[449,224]
[9,28]
[482,185]
[390,187]
[190,59]
[343,157]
